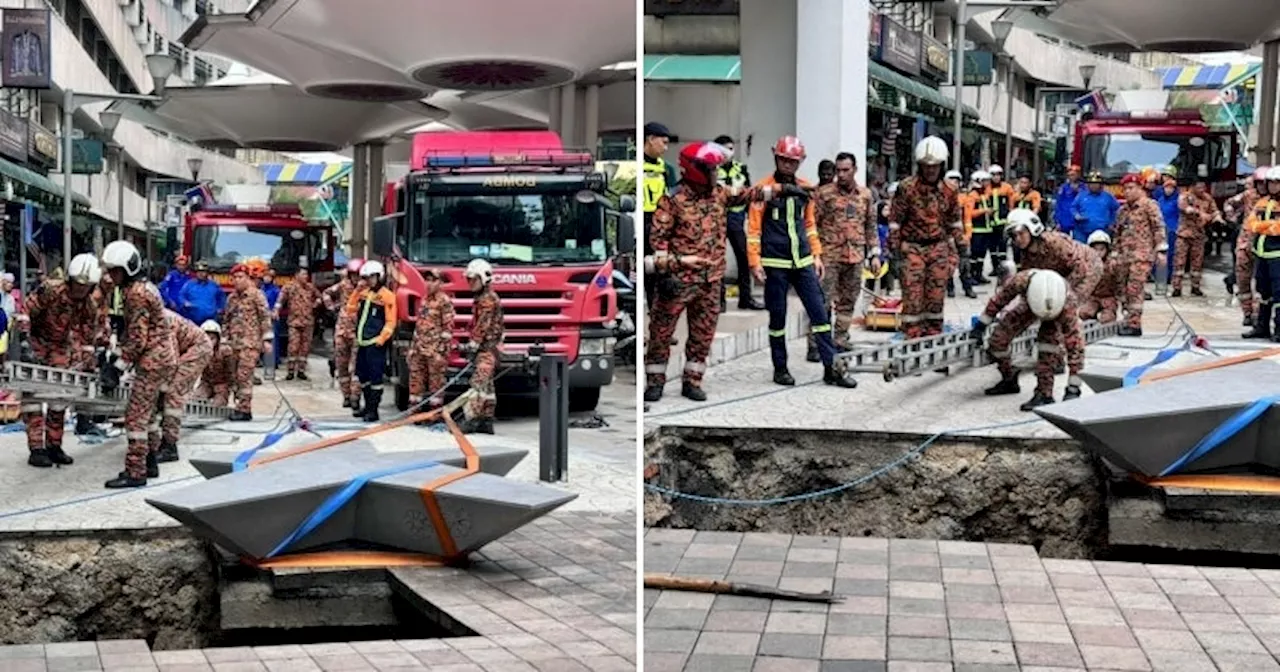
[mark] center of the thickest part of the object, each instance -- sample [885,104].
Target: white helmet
[123,255]
[371,268]
[980,175]
[932,151]
[954,175]
[995,169]
[479,268]
[211,327]
[1024,219]
[1273,174]
[1099,237]
[1046,294]
[84,270]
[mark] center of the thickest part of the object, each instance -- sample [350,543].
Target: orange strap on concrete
[348,560]
[429,490]
[1269,485]
[1210,365]
[345,438]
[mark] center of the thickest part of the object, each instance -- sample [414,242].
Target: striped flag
[199,196]
[1094,100]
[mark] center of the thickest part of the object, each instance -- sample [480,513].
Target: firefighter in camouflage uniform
[147,349]
[336,299]
[58,317]
[1140,238]
[1237,209]
[220,371]
[687,265]
[1104,305]
[1199,210]
[300,299]
[486,335]
[250,334]
[432,340]
[195,350]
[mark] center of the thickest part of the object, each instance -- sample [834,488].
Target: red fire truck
[537,212]
[1117,143]
[277,235]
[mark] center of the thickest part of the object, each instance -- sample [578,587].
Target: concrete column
[377,183]
[359,220]
[553,111]
[1267,104]
[568,106]
[591,118]
[829,64]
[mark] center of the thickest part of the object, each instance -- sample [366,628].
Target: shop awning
[911,87]
[1208,76]
[304,173]
[32,180]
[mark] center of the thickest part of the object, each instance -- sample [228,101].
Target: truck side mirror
[627,203]
[384,235]
[626,233]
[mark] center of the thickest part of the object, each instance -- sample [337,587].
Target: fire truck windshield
[546,228]
[224,246]
[1115,154]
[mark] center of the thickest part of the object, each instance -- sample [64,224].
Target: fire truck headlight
[595,346]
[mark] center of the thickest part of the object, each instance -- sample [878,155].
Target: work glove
[110,375]
[978,332]
[794,190]
[468,349]
[25,354]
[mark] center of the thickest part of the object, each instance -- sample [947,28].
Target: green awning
[31,179]
[698,68]
[911,87]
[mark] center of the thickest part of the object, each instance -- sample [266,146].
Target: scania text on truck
[537,212]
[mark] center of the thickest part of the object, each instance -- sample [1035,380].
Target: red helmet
[1133,178]
[239,268]
[789,147]
[699,160]
[353,265]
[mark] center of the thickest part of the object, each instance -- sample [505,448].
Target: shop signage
[27,49]
[899,47]
[979,68]
[13,137]
[873,37]
[935,59]
[86,156]
[43,145]
[691,7]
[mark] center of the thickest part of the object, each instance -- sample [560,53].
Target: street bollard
[553,418]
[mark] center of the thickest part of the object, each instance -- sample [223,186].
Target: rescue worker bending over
[1140,238]
[1040,248]
[486,337]
[432,340]
[375,325]
[1045,297]
[687,267]
[1264,226]
[195,350]
[924,227]
[49,335]
[784,251]
[219,371]
[147,349]
[1104,305]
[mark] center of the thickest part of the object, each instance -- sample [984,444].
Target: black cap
[654,128]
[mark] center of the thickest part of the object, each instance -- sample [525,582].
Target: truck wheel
[583,399]
[402,398]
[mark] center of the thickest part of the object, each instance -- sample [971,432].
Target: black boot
[39,457]
[812,354]
[302,375]
[969,293]
[153,467]
[1072,392]
[783,377]
[58,457]
[1261,323]
[167,452]
[692,392]
[653,393]
[346,402]
[84,424]
[1037,400]
[124,480]
[372,400]
[750,304]
[1007,385]
[1248,321]
[1177,293]
[951,290]
[289,377]
[240,416]
[476,426]
[1195,291]
[832,377]
[357,410]
[1130,331]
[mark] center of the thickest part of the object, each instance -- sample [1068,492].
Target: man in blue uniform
[1064,199]
[1092,210]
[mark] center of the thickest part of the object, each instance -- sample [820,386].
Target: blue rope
[336,501]
[1134,376]
[1222,433]
[861,480]
[242,460]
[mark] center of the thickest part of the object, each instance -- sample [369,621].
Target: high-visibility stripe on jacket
[783,232]
[655,184]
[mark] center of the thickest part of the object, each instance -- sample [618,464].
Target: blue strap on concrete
[1223,433]
[339,499]
[242,460]
[1134,375]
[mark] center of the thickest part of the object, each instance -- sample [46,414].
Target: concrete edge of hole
[1048,493]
